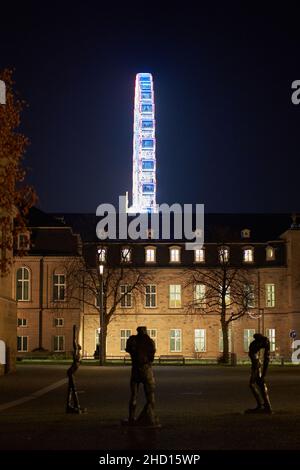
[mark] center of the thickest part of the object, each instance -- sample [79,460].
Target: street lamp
[101,346]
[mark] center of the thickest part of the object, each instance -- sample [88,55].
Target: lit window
[59,287]
[146,95]
[221,343]
[200,340]
[126,255]
[245,233]
[124,335]
[22,322]
[147,124]
[248,255]
[175,255]
[270,333]
[199,295]
[225,293]
[224,254]
[58,322]
[270,253]
[148,188]
[150,293]
[22,343]
[248,338]
[23,241]
[147,143]
[270,295]
[150,255]
[23,284]
[175,296]
[148,165]
[153,335]
[145,86]
[249,295]
[146,108]
[175,340]
[59,343]
[102,255]
[126,296]
[199,255]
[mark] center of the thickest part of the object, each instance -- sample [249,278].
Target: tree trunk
[225,356]
[102,349]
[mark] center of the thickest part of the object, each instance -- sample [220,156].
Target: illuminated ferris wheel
[144,161]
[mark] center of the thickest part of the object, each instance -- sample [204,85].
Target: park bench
[171,358]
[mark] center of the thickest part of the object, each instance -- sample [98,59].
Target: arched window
[248,254]
[23,284]
[224,254]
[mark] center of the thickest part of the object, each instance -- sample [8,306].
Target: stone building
[8,318]
[268,246]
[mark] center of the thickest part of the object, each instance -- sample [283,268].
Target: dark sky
[227,131]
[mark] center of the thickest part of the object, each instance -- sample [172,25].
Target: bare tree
[84,281]
[228,290]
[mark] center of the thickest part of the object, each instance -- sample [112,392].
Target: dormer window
[245,233]
[248,255]
[23,241]
[126,255]
[150,254]
[102,252]
[199,255]
[270,253]
[174,254]
[224,254]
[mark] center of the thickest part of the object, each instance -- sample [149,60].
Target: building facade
[163,301]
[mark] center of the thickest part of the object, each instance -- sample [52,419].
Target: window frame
[128,295]
[59,337]
[22,337]
[23,282]
[199,303]
[174,293]
[172,250]
[199,261]
[59,285]
[58,320]
[175,340]
[249,338]
[124,338]
[126,258]
[200,338]
[22,320]
[150,295]
[248,249]
[268,257]
[150,249]
[270,295]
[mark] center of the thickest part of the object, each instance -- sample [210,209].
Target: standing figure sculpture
[72,397]
[142,349]
[258,373]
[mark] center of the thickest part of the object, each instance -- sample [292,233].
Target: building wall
[283,317]
[40,310]
[8,322]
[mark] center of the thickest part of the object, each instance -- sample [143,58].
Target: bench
[171,358]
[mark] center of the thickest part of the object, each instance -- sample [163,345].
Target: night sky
[227,131]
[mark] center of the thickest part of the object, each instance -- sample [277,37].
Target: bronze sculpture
[72,397]
[142,350]
[258,373]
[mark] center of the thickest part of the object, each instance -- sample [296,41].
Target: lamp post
[101,347]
